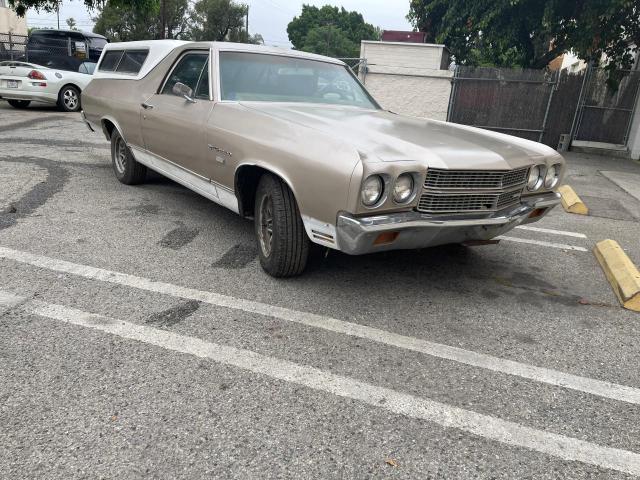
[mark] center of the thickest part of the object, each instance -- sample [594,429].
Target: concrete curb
[621,273]
[571,201]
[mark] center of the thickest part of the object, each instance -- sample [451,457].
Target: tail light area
[36,75]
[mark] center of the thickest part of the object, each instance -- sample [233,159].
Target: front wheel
[283,245]
[69,99]
[19,103]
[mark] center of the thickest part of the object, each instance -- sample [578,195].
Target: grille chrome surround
[471,191]
[440,179]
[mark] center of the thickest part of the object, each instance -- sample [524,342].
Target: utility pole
[247,23]
[164,19]
[58,12]
[328,40]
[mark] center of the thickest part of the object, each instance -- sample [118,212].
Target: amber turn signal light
[386,238]
[538,212]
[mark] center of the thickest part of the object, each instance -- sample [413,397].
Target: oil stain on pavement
[179,237]
[176,314]
[39,194]
[238,256]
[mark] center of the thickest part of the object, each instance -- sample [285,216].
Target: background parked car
[63,49]
[22,82]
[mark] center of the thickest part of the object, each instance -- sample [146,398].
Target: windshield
[273,78]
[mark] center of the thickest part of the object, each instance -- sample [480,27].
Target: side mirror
[181,90]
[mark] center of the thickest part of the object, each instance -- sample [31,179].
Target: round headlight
[403,188]
[535,178]
[372,190]
[552,177]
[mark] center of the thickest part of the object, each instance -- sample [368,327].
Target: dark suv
[64,49]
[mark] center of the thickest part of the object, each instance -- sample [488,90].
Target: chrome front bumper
[359,235]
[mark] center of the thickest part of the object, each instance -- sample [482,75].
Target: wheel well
[107,128]
[246,184]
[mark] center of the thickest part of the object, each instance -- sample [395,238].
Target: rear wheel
[283,245]
[19,103]
[69,99]
[127,170]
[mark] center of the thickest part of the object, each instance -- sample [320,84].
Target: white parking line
[539,374]
[492,428]
[561,246]
[553,232]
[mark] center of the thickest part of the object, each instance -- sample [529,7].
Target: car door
[173,127]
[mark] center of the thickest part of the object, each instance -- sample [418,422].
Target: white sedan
[22,83]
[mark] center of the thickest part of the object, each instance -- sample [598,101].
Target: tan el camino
[294,141]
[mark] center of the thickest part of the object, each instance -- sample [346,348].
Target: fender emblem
[213,147]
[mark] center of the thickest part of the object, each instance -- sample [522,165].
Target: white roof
[159,49]
[245,47]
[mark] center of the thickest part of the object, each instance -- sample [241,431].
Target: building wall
[401,54]
[407,78]
[634,133]
[415,95]
[10,22]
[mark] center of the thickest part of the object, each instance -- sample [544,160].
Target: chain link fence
[607,106]
[59,50]
[13,47]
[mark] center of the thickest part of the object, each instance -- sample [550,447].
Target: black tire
[19,103]
[125,167]
[69,99]
[285,252]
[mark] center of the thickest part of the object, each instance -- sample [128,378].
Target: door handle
[146,106]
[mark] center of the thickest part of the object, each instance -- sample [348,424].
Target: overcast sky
[267,17]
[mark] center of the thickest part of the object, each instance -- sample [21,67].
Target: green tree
[221,20]
[21,6]
[71,23]
[330,29]
[530,33]
[330,41]
[124,22]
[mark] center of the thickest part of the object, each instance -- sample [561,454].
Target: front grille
[440,179]
[467,191]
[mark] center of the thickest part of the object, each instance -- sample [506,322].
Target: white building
[408,78]
[10,22]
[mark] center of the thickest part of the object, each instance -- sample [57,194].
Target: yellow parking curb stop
[622,274]
[571,201]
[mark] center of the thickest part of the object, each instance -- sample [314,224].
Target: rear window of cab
[128,62]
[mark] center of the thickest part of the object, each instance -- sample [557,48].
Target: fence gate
[606,107]
[513,101]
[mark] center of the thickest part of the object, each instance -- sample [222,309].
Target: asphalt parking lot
[140,338]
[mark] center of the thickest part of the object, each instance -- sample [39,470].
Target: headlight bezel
[412,190]
[556,168]
[381,195]
[539,182]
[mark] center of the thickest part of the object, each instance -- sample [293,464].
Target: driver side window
[191,70]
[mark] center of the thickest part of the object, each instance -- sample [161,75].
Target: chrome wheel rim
[70,99]
[120,155]
[265,231]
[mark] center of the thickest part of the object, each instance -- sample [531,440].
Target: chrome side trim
[86,122]
[199,184]
[227,198]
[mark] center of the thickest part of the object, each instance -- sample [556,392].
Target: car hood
[380,135]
